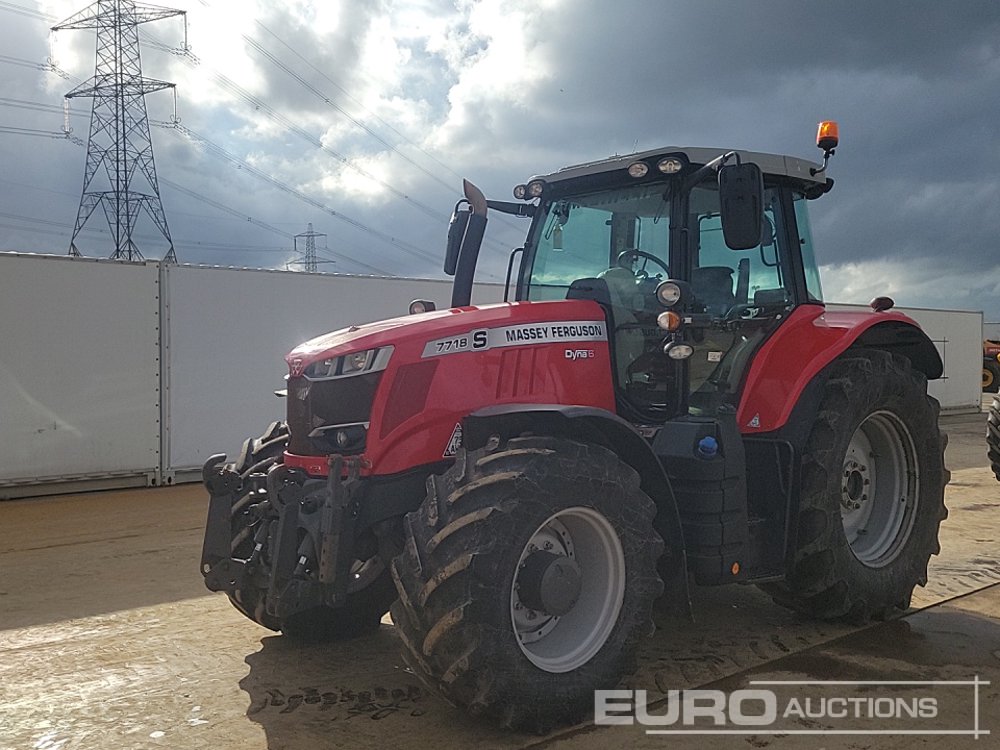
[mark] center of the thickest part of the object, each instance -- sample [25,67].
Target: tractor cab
[727,231]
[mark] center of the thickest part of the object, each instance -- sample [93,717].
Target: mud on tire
[458,616]
[875,441]
[363,609]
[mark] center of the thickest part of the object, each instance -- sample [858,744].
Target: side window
[813,287]
[722,277]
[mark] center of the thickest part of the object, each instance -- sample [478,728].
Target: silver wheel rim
[879,489]
[563,643]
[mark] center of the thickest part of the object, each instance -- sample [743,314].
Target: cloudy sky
[361,117]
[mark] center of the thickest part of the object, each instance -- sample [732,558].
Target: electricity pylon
[308,259]
[119,175]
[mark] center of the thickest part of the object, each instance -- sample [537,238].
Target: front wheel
[527,580]
[872,493]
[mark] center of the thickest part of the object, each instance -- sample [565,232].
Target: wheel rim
[562,643]
[987,378]
[879,483]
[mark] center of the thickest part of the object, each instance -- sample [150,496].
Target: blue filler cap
[708,447]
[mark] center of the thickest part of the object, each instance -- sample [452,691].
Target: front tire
[527,580]
[872,493]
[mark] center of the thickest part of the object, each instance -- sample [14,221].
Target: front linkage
[302,532]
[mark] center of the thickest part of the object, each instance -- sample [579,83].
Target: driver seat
[713,287]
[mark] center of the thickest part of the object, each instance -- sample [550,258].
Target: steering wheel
[627,258]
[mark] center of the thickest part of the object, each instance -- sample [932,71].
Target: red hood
[434,325]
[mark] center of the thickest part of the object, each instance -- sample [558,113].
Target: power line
[328,100]
[220,246]
[260,174]
[215,204]
[346,93]
[268,111]
[265,109]
[208,201]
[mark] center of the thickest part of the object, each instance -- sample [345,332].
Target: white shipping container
[114,374]
[79,371]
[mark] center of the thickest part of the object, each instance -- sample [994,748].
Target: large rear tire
[527,580]
[993,436]
[872,493]
[371,590]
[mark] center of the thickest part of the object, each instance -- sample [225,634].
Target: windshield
[621,236]
[583,236]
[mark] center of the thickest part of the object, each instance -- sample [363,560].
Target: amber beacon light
[827,135]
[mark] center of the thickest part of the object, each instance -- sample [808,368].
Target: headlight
[669,293]
[670,165]
[535,188]
[321,370]
[638,169]
[347,365]
[357,361]
[676,350]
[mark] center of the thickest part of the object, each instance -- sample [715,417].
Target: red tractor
[666,398]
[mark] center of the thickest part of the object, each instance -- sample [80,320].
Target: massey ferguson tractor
[664,400]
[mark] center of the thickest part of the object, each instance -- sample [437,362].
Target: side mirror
[741,200]
[456,231]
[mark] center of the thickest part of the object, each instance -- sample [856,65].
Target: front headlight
[347,365]
[357,361]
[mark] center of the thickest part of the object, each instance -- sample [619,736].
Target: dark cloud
[498,92]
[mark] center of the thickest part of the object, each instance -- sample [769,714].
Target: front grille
[313,404]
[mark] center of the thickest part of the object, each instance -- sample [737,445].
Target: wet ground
[108,639]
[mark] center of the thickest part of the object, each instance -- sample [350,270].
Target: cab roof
[786,166]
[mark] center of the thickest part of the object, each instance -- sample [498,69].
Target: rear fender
[600,427]
[807,342]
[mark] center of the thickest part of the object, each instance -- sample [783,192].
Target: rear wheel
[872,494]
[991,376]
[370,587]
[993,435]
[527,580]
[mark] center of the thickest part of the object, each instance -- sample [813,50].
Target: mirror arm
[514,209]
[699,174]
